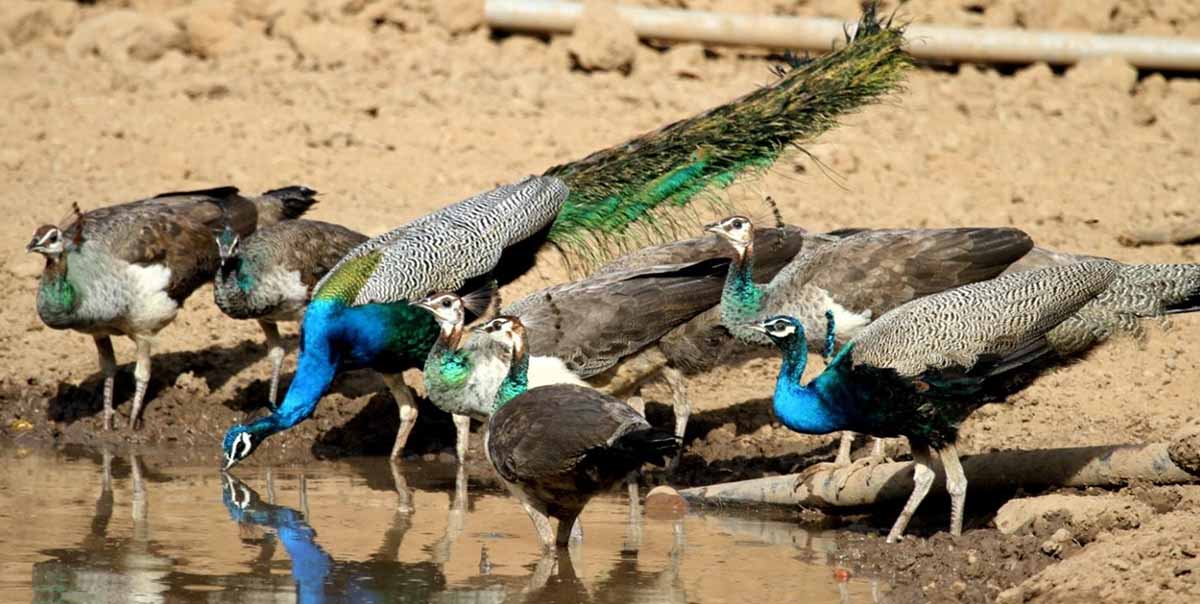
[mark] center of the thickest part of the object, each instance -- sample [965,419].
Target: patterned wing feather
[442,250]
[981,323]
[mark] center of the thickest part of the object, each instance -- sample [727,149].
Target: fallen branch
[981,45]
[1103,466]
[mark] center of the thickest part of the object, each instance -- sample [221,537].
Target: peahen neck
[741,299]
[57,298]
[517,380]
[446,364]
[232,287]
[807,409]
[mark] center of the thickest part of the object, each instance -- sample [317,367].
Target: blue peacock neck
[807,409]
[741,299]
[315,369]
[517,380]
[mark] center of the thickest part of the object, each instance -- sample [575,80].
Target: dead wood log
[1180,235]
[1103,466]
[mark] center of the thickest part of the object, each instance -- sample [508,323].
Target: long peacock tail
[613,190]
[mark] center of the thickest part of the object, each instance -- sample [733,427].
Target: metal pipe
[981,45]
[1103,466]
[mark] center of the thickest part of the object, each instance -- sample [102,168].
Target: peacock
[582,329]
[558,446]
[126,269]
[269,276]
[857,274]
[919,370]
[361,313]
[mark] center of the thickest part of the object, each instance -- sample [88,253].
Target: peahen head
[786,332]
[240,441]
[509,332]
[227,244]
[446,308]
[737,230]
[48,241]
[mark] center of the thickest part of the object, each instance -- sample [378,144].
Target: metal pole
[983,45]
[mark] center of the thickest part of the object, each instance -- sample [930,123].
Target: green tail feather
[630,194]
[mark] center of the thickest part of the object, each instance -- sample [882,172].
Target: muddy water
[86,526]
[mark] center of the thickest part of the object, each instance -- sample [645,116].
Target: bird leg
[923,476]
[275,352]
[844,447]
[631,481]
[141,378]
[408,410]
[566,528]
[108,369]
[682,406]
[842,466]
[879,448]
[138,504]
[462,441]
[403,493]
[956,485]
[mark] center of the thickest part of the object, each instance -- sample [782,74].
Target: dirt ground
[392,108]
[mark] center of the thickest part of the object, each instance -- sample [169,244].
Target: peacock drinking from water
[270,275]
[127,269]
[857,275]
[921,369]
[361,313]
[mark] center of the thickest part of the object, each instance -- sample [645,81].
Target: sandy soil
[392,108]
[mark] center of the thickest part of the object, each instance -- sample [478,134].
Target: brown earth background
[393,108]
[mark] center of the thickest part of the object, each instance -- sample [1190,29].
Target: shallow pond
[85,526]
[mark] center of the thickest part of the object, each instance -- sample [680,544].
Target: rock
[1184,449]
[664,502]
[125,35]
[211,29]
[686,60]
[263,10]
[602,40]
[329,46]
[24,22]
[458,16]
[1084,516]
[1104,72]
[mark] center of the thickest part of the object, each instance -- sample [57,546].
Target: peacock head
[446,308]
[48,241]
[508,332]
[240,442]
[785,331]
[227,244]
[737,230]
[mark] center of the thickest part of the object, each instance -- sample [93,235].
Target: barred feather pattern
[440,251]
[996,318]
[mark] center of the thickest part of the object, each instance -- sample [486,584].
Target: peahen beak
[713,228]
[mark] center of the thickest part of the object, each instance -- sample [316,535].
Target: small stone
[686,60]
[1051,547]
[1107,72]
[124,35]
[1062,535]
[330,46]
[459,16]
[602,40]
[1120,564]
[665,503]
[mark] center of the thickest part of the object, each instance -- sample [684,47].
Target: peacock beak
[759,327]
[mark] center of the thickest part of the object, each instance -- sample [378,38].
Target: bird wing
[311,247]
[441,251]
[874,271]
[982,327]
[547,430]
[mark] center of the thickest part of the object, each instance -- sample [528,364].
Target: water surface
[86,526]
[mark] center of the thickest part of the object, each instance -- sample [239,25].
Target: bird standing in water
[558,446]
[921,369]
[361,315]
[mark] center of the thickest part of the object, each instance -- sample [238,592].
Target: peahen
[270,275]
[461,378]
[921,369]
[361,315]
[583,329]
[857,275]
[558,446]
[126,269]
